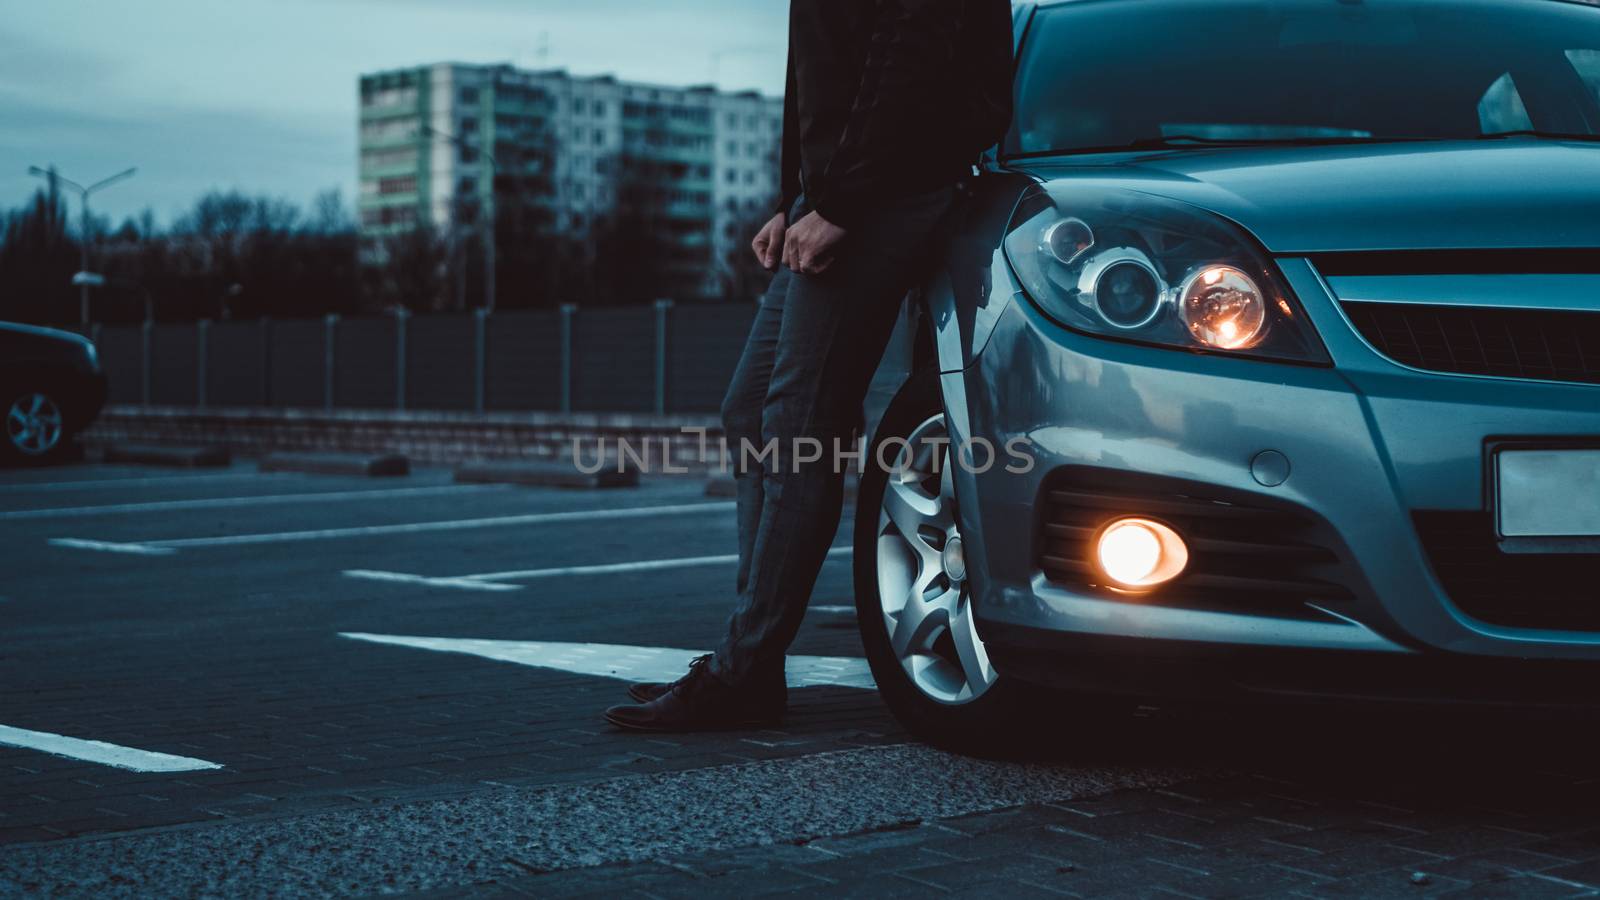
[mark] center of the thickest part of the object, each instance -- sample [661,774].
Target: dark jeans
[806,367]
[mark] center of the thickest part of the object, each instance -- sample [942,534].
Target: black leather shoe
[646,691]
[699,701]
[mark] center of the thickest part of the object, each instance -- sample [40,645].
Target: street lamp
[488,223]
[83,244]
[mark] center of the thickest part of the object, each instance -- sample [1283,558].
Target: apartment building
[442,145]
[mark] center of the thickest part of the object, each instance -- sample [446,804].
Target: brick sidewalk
[1232,837]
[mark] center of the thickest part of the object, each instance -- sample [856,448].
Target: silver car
[1265,360]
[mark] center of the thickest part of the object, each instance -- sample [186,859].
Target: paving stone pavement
[231,654]
[1238,836]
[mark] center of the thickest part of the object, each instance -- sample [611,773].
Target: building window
[405,185]
[383,159]
[733,148]
[469,155]
[468,126]
[390,129]
[469,96]
[389,215]
[579,106]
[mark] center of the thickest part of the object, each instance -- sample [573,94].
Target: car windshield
[1108,74]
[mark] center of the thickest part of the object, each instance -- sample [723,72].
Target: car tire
[34,429]
[932,683]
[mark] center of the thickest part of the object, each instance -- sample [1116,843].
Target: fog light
[1139,553]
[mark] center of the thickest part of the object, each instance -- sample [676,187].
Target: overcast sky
[261,94]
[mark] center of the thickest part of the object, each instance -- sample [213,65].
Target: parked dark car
[51,387]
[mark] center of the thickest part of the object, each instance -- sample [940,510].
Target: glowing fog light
[1140,553]
[1223,308]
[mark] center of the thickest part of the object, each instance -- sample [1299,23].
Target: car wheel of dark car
[913,601]
[35,426]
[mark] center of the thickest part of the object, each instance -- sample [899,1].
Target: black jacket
[889,97]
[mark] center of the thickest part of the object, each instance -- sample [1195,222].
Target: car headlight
[1132,266]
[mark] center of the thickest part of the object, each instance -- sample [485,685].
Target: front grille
[1559,592]
[1243,557]
[1554,345]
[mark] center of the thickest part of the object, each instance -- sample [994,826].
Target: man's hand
[809,246]
[768,243]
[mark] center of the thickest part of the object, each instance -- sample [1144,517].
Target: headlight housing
[1131,266]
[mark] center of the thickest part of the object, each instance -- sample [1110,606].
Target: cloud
[180,154]
[261,94]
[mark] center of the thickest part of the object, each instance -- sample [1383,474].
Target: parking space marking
[233,540]
[494,581]
[622,661]
[111,547]
[87,483]
[100,752]
[262,500]
[467,584]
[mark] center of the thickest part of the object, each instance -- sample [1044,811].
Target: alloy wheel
[33,424]
[922,574]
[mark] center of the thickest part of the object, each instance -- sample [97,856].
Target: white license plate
[1548,493]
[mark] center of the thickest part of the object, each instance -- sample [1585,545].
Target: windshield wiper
[1535,133]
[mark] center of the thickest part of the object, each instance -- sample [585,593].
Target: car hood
[24,332]
[1411,196]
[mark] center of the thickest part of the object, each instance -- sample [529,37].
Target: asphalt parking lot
[232,682]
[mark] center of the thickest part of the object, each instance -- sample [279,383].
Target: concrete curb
[166,455]
[372,465]
[546,474]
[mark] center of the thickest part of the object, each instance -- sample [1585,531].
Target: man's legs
[741,415]
[830,335]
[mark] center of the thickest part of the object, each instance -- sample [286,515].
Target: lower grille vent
[1242,557]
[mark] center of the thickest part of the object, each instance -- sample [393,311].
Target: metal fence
[663,358]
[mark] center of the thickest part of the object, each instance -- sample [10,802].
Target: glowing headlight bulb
[1222,307]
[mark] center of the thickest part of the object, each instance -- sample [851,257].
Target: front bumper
[1371,445]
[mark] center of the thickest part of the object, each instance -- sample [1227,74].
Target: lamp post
[83,283]
[488,224]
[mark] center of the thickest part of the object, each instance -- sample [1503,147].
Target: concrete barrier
[546,474]
[166,455]
[360,464]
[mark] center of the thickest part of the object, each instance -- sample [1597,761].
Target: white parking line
[87,483]
[112,547]
[261,500]
[101,752]
[232,540]
[623,661]
[492,581]
[404,578]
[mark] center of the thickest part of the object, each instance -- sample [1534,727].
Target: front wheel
[913,601]
[35,426]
